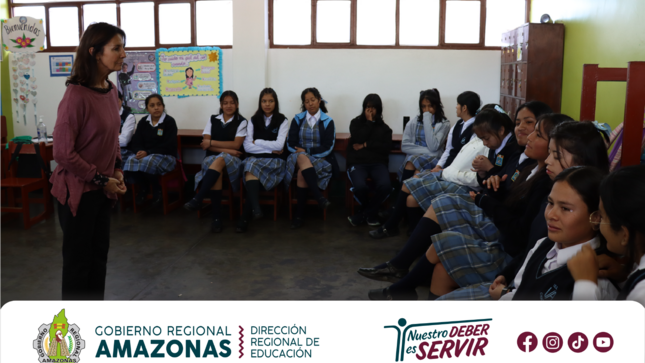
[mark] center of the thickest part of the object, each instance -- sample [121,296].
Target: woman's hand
[278,152]
[114,186]
[300,150]
[495,289]
[473,195]
[141,154]
[436,169]
[583,266]
[370,113]
[358,146]
[119,176]
[494,181]
[481,163]
[205,144]
[611,269]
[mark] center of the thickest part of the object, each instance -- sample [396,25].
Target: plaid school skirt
[269,171]
[125,154]
[232,168]
[420,162]
[428,187]
[322,167]
[473,292]
[156,164]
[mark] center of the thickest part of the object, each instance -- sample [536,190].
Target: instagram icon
[552,342]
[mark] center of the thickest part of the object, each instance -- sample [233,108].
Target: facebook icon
[527,342]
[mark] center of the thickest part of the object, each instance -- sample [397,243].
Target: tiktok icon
[578,342]
[527,342]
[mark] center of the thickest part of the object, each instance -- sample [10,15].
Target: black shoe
[193,205]
[242,226]
[357,219]
[141,198]
[216,226]
[374,222]
[387,273]
[323,203]
[386,294]
[383,233]
[297,223]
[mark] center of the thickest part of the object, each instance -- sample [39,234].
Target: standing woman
[424,135]
[223,138]
[87,179]
[264,165]
[368,154]
[311,140]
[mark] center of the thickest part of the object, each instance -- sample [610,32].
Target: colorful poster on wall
[23,34]
[137,79]
[192,71]
[60,65]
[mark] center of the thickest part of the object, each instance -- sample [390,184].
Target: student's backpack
[29,165]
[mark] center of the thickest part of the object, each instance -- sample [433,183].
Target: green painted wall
[605,32]
[5,85]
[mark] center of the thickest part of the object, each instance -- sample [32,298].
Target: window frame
[353,24]
[79,6]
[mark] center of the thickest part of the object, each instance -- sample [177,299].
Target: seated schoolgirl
[478,230]
[619,217]
[544,274]
[264,164]
[425,186]
[128,124]
[223,138]
[424,135]
[571,144]
[311,139]
[154,148]
[368,154]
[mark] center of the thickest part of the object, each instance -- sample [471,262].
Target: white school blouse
[586,290]
[265,146]
[558,257]
[127,130]
[459,172]
[446,153]
[241,130]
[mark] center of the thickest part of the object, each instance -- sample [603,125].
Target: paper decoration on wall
[60,65]
[23,76]
[23,34]
[138,79]
[191,71]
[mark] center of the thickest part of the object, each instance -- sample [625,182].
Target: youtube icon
[603,342]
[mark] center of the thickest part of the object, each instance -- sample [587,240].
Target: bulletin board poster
[137,79]
[191,71]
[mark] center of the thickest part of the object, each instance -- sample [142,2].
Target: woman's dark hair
[536,107]
[521,187]
[157,96]
[490,120]
[471,100]
[623,197]
[277,118]
[373,100]
[125,106]
[233,95]
[313,90]
[432,95]
[586,181]
[186,72]
[96,36]
[584,142]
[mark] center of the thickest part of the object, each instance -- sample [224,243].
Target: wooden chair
[293,200]
[172,181]
[634,75]
[26,185]
[274,198]
[227,192]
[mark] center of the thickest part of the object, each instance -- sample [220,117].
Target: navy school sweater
[327,132]
[160,139]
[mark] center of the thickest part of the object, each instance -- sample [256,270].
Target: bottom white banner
[317,331]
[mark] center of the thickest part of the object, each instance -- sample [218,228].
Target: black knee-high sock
[312,181]
[421,274]
[301,196]
[153,181]
[216,203]
[253,194]
[397,212]
[414,215]
[209,179]
[417,244]
[407,174]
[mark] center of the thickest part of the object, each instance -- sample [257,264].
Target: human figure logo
[527,342]
[59,341]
